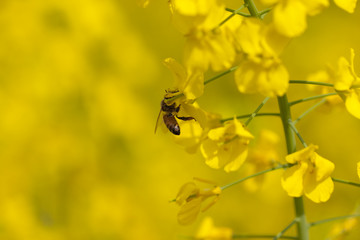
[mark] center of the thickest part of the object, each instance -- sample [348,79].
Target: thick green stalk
[285,114]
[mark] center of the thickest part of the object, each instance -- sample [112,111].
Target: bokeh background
[80,89]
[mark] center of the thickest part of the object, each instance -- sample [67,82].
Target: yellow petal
[347,5]
[358,169]
[189,211]
[249,36]
[194,87]
[318,191]
[217,134]
[241,131]
[188,189]
[196,54]
[292,180]
[344,77]
[234,157]
[290,18]
[352,103]
[178,72]
[302,155]
[323,167]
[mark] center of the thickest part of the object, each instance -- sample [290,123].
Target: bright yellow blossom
[261,70]
[347,5]
[207,45]
[208,231]
[289,16]
[263,156]
[310,175]
[190,198]
[358,169]
[227,146]
[347,84]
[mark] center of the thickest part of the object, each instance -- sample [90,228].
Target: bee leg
[186,118]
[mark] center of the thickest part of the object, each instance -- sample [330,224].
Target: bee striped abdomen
[171,123]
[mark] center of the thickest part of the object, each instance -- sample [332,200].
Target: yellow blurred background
[80,89]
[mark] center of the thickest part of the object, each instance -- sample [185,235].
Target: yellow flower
[187,81]
[263,156]
[347,84]
[289,16]
[190,198]
[310,175]
[347,5]
[206,44]
[358,169]
[341,230]
[261,70]
[208,231]
[227,146]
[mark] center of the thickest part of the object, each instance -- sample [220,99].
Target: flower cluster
[219,40]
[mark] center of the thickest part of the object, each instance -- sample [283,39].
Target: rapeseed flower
[208,231]
[310,175]
[207,45]
[226,146]
[190,198]
[289,16]
[347,84]
[261,70]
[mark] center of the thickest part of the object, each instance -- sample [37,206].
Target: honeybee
[169,113]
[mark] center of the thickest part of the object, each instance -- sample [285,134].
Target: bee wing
[158,121]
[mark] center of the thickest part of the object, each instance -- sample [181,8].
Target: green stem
[254,175]
[334,219]
[262,236]
[220,75]
[297,134]
[280,234]
[232,15]
[312,83]
[309,110]
[346,182]
[249,115]
[256,111]
[312,98]
[285,114]
[264,12]
[239,13]
[252,8]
